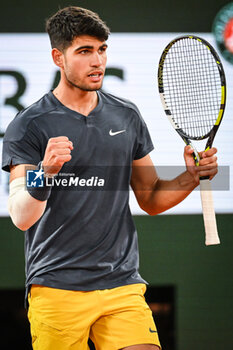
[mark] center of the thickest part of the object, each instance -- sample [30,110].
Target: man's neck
[80,101]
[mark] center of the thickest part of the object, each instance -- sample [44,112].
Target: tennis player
[82,268]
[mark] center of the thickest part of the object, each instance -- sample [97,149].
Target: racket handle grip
[211,232]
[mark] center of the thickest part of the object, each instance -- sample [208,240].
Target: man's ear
[57,57]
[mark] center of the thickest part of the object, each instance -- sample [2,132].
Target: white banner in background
[27,72]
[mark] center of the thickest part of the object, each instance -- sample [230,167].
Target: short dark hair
[71,22]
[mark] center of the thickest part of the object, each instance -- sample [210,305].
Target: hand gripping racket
[192,89]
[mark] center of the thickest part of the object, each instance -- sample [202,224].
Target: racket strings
[192,87]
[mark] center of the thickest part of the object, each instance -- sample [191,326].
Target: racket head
[192,87]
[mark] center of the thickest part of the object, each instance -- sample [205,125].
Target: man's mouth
[95,76]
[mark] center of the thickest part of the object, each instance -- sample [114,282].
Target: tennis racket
[192,89]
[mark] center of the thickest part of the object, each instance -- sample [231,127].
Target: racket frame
[211,134]
[205,186]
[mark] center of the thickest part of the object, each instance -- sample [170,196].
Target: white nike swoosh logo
[113,133]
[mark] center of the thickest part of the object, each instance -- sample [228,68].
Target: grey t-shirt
[86,238]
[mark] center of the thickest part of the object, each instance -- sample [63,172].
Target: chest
[96,141]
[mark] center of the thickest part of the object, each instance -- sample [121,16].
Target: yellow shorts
[112,318]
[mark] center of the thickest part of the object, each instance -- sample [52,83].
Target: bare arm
[24,209]
[155,195]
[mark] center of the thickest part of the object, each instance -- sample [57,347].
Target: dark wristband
[40,193]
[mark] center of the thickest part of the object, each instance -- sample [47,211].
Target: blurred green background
[121,16]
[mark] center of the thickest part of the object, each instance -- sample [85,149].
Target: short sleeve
[144,143]
[21,144]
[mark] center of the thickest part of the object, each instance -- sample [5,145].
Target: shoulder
[24,119]
[43,106]
[118,102]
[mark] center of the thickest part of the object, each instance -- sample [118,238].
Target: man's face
[85,62]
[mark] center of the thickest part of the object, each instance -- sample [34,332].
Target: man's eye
[83,52]
[103,49]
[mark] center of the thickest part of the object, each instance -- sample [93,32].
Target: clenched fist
[58,152]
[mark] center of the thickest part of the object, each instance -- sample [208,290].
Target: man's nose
[96,59]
